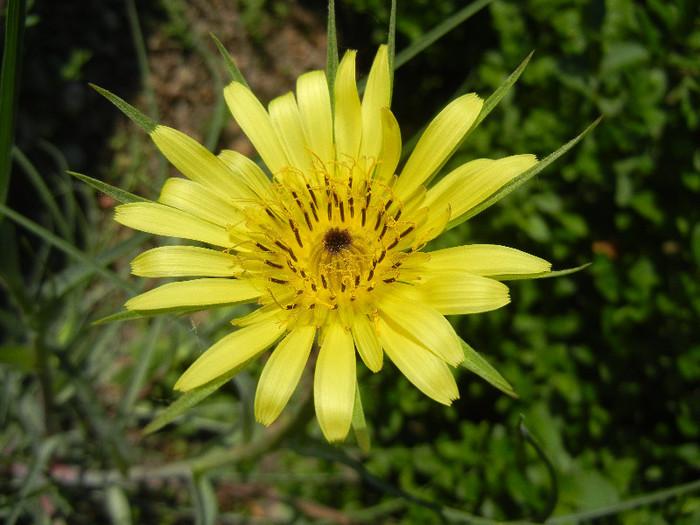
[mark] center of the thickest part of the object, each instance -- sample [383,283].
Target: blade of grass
[66,247]
[9,87]
[522,178]
[439,31]
[46,195]
[138,373]
[128,315]
[74,275]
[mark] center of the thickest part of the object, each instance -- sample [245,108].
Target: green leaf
[9,85]
[233,68]
[542,275]
[65,247]
[439,31]
[18,356]
[119,195]
[130,111]
[117,505]
[193,397]
[359,425]
[477,364]
[522,178]
[204,499]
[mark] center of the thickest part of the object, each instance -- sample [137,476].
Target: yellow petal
[377,96]
[464,293]
[287,122]
[486,259]
[184,261]
[256,124]
[204,203]
[348,112]
[475,181]
[159,219]
[315,110]
[282,372]
[232,351]
[391,147]
[249,172]
[334,383]
[438,142]
[425,325]
[197,163]
[197,292]
[421,367]
[367,342]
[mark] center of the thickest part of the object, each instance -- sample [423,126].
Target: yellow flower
[332,247]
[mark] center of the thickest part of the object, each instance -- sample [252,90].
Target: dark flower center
[336,240]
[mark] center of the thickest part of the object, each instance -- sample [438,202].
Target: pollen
[328,237]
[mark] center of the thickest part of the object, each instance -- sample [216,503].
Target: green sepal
[331,51]
[119,195]
[521,179]
[359,425]
[230,62]
[477,364]
[391,48]
[501,91]
[542,275]
[130,111]
[193,397]
[487,107]
[128,315]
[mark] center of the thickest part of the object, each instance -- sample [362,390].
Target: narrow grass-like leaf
[73,275]
[193,397]
[522,178]
[439,31]
[332,51]
[359,425]
[553,482]
[543,275]
[45,193]
[65,247]
[204,499]
[9,86]
[142,58]
[117,505]
[119,195]
[143,363]
[477,364]
[130,111]
[232,67]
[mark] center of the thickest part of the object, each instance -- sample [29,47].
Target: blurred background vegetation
[606,361]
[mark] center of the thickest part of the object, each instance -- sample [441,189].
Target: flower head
[332,247]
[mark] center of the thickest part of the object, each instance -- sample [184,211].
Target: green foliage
[606,361]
